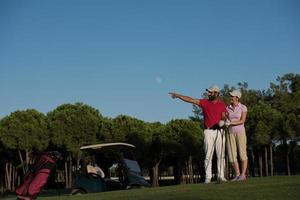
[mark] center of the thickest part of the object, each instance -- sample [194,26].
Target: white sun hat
[236,93]
[213,88]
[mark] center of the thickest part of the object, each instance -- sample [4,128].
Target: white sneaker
[207,181]
[222,179]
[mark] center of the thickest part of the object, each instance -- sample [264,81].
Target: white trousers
[214,140]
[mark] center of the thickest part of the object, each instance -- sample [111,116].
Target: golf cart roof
[103,145]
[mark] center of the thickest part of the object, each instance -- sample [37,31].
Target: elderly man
[214,110]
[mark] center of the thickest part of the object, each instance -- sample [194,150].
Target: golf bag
[37,177]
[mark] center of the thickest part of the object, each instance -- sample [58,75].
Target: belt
[214,127]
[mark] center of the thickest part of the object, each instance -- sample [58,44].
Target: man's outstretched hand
[173,95]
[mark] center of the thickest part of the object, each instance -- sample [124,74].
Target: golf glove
[221,123]
[227,123]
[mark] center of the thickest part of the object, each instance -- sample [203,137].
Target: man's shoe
[207,181]
[222,179]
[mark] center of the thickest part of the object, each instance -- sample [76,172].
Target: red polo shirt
[212,111]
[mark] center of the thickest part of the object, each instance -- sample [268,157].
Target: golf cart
[107,167]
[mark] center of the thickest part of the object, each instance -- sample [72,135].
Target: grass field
[272,188]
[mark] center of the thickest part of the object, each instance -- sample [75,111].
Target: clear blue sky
[124,56]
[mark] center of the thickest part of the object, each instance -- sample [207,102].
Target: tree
[108,133]
[157,150]
[132,130]
[185,141]
[72,126]
[286,99]
[262,127]
[24,132]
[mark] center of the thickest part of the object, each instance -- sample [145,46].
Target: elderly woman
[236,139]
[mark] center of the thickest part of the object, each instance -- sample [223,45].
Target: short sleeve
[201,102]
[224,107]
[244,108]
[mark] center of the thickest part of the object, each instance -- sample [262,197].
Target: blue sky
[123,57]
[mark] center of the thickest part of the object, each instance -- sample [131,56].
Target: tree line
[272,126]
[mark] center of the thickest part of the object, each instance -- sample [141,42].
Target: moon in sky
[158,79]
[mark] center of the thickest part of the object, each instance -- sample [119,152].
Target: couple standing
[216,116]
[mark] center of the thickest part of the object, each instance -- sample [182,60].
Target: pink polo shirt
[235,114]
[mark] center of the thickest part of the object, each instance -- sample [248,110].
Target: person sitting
[99,171]
[95,171]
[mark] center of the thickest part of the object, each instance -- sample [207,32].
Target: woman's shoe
[235,179]
[241,178]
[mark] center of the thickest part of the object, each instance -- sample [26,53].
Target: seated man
[99,171]
[95,171]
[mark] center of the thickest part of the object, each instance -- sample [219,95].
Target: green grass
[272,188]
